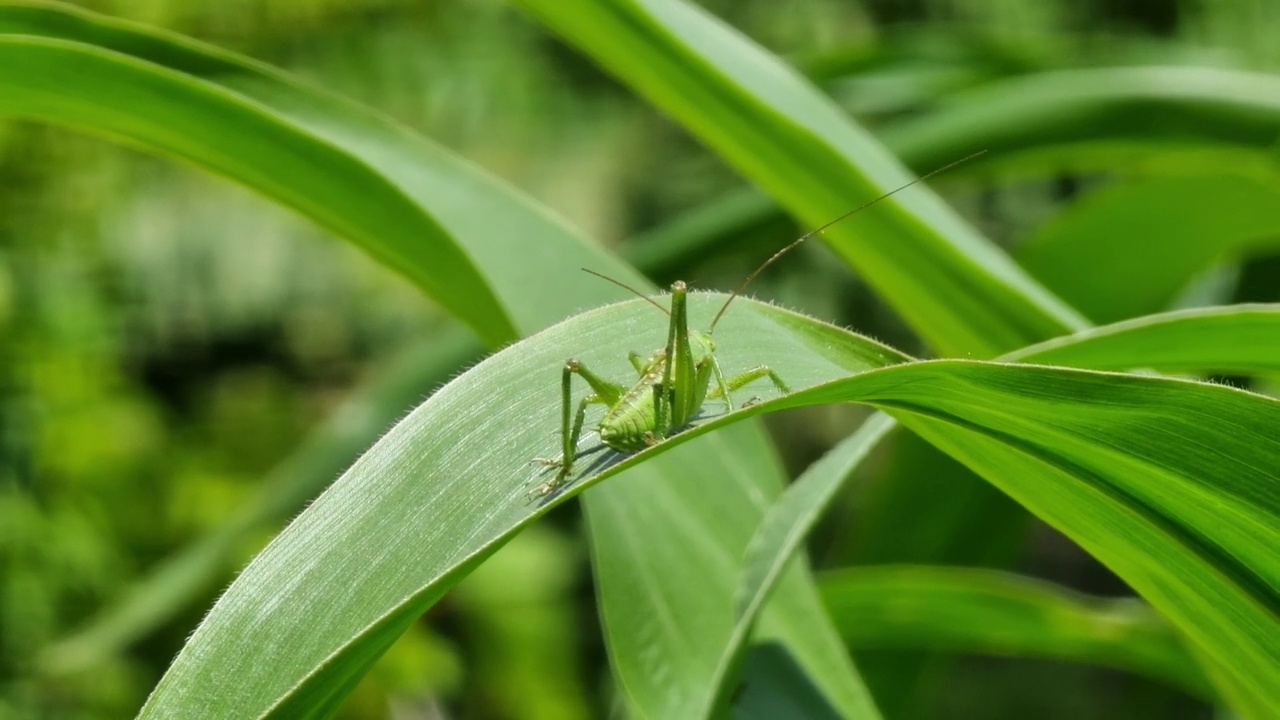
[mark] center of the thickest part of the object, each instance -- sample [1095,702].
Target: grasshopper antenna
[817,231]
[629,289]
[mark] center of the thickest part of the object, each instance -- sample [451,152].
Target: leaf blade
[509,239]
[965,610]
[1235,338]
[1038,432]
[955,288]
[91,89]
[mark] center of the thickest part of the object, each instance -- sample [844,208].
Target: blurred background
[182,363]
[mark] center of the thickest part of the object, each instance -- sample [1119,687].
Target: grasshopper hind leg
[603,392]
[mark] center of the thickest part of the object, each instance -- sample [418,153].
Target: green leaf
[957,610]
[1166,481]
[956,289]
[1242,339]
[510,241]
[671,644]
[1223,122]
[1145,105]
[1111,229]
[1239,338]
[84,87]
[445,487]
[789,520]
[785,526]
[234,116]
[1160,482]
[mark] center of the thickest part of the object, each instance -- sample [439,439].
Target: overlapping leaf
[1108,234]
[369,531]
[956,289]
[1142,471]
[964,610]
[480,248]
[1243,339]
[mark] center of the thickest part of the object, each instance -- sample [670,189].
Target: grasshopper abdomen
[630,425]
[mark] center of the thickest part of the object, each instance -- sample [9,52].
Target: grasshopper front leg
[661,415]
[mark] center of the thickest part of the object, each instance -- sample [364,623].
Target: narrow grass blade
[479,218]
[1242,339]
[784,528]
[1108,233]
[955,288]
[103,92]
[964,610]
[1140,104]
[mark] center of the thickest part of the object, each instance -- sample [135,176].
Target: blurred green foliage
[167,340]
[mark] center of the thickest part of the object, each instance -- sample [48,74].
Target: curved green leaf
[1140,481]
[379,174]
[964,610]
[1169,482]
[382,543]
[1125,110]
[90,89]
[1241,339]
[1110,232]
[522,250]
[669,650]
[1180,104]
[784,528]
[790,519]
[955,288]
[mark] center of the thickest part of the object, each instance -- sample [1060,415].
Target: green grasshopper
[672,387]
[674,383]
